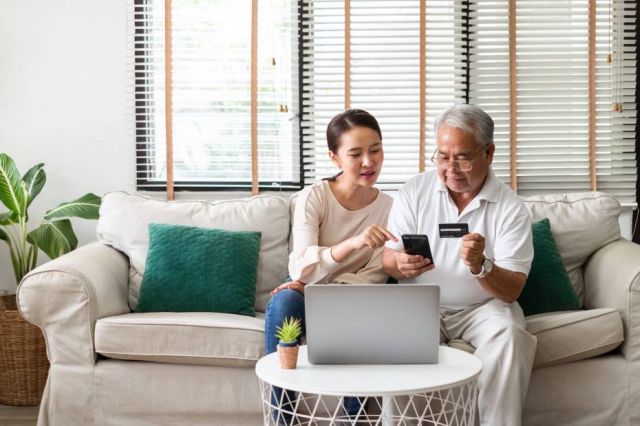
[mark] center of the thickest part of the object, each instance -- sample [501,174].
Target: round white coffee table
[425,394]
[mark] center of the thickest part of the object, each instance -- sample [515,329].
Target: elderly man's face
[458,151]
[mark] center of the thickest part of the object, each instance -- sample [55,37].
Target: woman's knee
[288,300]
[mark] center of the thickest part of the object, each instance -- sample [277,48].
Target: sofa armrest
[65,298]
[612,279]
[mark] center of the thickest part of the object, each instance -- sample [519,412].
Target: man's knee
[514,335]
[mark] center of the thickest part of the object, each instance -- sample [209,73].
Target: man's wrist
[476,269]
[486,266]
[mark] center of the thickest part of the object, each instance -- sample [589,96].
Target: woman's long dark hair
[345,121]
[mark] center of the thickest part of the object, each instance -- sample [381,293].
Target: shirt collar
[490,190]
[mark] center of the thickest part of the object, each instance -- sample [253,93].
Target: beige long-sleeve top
[321,222]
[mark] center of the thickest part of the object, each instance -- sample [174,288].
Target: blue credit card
[453,230]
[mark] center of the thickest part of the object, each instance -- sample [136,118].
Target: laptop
[372,323]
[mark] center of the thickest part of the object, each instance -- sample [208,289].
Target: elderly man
[480,274]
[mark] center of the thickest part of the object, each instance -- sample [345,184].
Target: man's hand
[412,265]
[472,252]
[293,285]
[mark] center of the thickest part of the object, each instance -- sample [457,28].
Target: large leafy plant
[55,234]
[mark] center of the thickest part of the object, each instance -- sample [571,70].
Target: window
[211,90]
[384,75]
[544,141]
[552,94]
[404,61]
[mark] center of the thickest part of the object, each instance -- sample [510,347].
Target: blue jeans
[284,304]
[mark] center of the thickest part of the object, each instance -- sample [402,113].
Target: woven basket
[23,357]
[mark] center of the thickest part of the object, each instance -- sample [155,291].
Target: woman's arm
[374,236]
[371,273]
[311,263]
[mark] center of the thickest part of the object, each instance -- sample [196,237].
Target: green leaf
[34,180]
[54,238]
[10,191]
[7,218]
[4,236]
[17,265]
[86,207]
[33,256]
[14,261]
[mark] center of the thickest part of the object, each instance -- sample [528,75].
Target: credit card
[453,230]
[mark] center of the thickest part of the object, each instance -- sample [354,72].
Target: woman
[338,227]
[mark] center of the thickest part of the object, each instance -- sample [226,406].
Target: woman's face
[359,156]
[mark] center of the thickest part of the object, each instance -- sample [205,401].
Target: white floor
[18,416]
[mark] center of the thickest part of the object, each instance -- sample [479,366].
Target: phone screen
[417,244]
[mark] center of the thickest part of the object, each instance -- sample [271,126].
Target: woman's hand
[374,236]
[293,285]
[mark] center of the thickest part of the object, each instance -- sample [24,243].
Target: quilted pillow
[548,287]
[191,269]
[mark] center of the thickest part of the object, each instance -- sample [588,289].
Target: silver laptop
[372,324]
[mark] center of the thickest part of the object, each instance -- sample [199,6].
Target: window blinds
[467,60]
[211,88]
[384,77]
[552,94]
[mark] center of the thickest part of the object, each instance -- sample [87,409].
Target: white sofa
[113,367]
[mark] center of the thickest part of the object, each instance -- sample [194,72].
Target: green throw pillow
[192,269]
[548,286]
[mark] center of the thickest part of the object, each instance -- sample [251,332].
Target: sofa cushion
[568,336]
[575,335]
[191,269]
[124,219]
[581,223]
[182,338]
[548,287]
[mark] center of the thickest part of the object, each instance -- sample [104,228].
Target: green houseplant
[288,334]
[54,236]
[23,360]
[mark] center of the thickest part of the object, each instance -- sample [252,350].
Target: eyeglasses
[462,165]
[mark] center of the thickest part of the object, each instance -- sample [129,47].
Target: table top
[454,367]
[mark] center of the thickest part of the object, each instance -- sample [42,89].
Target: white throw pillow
[124,221]
[581,223]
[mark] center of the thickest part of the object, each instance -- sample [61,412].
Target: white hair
[471,119]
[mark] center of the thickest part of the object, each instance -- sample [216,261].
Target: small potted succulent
[288,334]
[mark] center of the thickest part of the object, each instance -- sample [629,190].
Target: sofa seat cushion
[201,338]
[574,335]
[568,336]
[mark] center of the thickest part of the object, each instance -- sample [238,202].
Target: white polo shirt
[496,213]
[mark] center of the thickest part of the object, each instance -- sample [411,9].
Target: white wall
[63,101]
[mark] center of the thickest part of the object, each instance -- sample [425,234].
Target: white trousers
[497,330]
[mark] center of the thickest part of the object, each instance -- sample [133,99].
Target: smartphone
[417,244]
